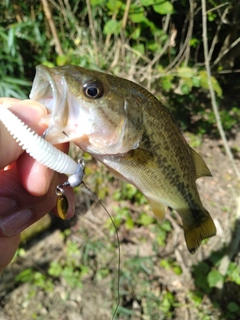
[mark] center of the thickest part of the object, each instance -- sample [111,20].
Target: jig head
[73,181]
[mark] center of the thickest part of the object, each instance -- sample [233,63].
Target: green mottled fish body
[126,128]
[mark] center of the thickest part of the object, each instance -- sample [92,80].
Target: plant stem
[92,30]
[48,15]
[212,93]
[125,16]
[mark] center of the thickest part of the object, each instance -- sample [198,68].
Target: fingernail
[16,222]
[7,204]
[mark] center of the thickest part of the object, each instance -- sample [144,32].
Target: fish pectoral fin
[194,236]
[159,209]
[200,165]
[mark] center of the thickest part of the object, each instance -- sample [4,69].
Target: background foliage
[157,44]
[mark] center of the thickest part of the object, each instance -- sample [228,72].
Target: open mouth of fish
[50,88]
[72,118]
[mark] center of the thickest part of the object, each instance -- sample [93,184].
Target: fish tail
[194,236]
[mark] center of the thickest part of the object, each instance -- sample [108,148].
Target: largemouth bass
[129,130]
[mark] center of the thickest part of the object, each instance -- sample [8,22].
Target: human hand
[27,188]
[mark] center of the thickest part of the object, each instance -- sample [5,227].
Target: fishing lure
[73,181]
[45,153]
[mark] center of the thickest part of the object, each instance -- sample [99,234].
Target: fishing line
[75,180]
[119,250]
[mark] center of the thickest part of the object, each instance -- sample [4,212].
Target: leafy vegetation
[156,43]
[159,45]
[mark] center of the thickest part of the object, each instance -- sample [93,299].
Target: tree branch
[226,51]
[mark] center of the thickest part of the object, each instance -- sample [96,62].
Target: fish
[132,133]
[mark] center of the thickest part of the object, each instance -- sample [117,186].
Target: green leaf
[165,264]
[161,238]
[16,81]
[145,219]
[48,64]
[196,297]
[61,60]
[216,87]
[166,82]
[177,269]
[196,82]
[95,3]
[55,269]
[185,72]
[153,46]
[125,311]
[85,270]
[136,33]
[214,277]
[147,3]
[163,8]
[129,223]
[194,42]
[25,276]
[185,88]
[11,41]
[112,27]
[211,16]
[166,226]
[138,17]
[204,83]
[187,81]
[233,307]
[203,79]
[114,5]
[233,272]
[139,47]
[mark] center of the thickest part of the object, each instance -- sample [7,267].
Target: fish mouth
[50,89]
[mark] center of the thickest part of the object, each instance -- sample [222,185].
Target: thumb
[30,112]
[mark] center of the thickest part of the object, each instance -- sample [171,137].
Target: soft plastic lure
[45,153]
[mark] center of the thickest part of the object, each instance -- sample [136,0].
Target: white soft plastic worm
[38,148]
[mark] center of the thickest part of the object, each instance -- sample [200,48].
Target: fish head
[88,108]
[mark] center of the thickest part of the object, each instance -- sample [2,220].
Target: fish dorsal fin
[200,165]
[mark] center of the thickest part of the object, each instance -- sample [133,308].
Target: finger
[19,209]
[28,111]
[35,177]
[8,247]
[8,101]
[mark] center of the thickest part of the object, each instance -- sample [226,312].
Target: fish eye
[93,90]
